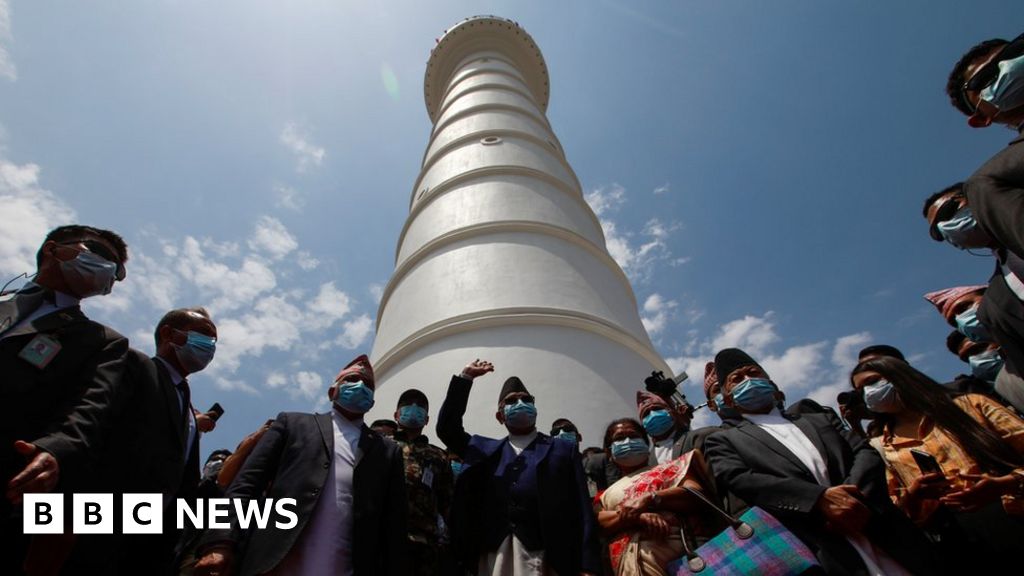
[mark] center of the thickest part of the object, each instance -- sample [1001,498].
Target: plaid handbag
[753,544]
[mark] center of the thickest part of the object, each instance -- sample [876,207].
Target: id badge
[428,477]
[40,351]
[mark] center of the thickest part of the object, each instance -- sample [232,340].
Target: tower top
[484,34]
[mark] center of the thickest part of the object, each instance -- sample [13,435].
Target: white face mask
[1007,92]
[881,398]
[89,274]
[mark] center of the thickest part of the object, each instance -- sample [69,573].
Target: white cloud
[7,68]
[306,261]
[657,313]
[845,352]
[271,237]
[276,380]
[309,385]
[329,306]
[290,198]
[230,288]
[29,213]
[297,140]
[603,200]
[662,189]
[355,332]
[377,291]
[751,333]
[637,254]
[229,384]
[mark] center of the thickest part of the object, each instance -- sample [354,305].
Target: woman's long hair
[921,394]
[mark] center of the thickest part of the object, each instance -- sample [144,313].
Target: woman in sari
[642,513]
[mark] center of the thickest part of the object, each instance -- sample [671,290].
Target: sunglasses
[945,212]
[987,74]
[515,400]
[100,249]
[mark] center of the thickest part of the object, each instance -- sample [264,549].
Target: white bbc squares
[142,514]
[92,514]
[43,514]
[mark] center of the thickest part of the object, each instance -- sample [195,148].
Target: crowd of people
[912,476]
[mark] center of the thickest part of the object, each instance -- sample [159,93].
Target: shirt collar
[60,299]
[344,424]
[176,376]
[773,417]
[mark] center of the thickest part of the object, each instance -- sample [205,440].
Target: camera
[667,388]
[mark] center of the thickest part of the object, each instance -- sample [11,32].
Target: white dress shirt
[325,545]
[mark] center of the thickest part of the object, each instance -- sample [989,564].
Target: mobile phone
[926,462]
[215,411]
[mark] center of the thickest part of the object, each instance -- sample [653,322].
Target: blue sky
[759,169]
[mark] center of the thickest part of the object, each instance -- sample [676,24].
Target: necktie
[186,404]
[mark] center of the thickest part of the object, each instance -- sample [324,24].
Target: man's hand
[219,561]
[984,490]
[477,368]
[40,474]
[204,423]
[843,511]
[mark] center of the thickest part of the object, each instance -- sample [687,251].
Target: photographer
[666,417]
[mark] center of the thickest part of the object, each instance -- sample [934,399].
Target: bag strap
[693,560]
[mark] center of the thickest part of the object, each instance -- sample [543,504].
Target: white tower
[501,258]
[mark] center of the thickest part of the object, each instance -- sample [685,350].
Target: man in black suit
[521,503]
[822,482]
[349,484]
[987,210]
[151,445]
[60,370]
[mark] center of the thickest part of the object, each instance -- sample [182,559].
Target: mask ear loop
[970,251]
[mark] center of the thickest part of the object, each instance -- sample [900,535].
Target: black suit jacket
[292,461]
[995,193]
[147,435]
[759,469]
[63,407]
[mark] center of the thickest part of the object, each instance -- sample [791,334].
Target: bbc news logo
[144,513]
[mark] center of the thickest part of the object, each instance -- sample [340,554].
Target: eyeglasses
[945,212]
[100,249]
[513,400]
[567,429]
[987,74]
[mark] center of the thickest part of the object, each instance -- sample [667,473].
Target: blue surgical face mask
[88,274]
[197,351]
[520,415]
[657,423]
[962,230]
[457,468]
[881,398]
[355,397]
[1007,92]
[725,412]
[968,324]
[566,435]
[412,416]
[754,395]
[986,366]
[630,451]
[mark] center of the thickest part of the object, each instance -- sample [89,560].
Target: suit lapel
[541,446]
[18,306]
[755,432]
[170,394]
[49,323]
[368,443]
[323,422]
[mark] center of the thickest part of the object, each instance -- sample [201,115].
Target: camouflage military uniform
[429,484]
